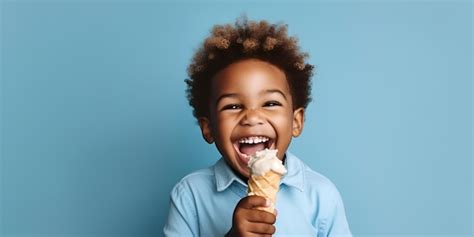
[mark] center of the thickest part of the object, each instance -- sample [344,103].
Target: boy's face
[250,109]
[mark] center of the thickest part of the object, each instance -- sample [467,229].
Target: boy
[249,86]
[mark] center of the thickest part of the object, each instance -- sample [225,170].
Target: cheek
[283,121]
[224,126]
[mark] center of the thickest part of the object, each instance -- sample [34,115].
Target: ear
[205,125]
[298,122]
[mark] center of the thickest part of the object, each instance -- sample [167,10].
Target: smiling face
[250,109]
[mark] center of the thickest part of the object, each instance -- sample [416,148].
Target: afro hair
[247,39]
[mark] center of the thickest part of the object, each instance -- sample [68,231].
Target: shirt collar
[224,175]
[294,177]
[295,172]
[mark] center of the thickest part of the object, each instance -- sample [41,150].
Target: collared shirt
[308,204]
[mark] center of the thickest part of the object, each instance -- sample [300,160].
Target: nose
[251,118]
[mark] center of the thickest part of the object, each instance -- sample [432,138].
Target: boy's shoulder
[196,180]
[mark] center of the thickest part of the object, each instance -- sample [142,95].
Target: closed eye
[272,103]
[231,107]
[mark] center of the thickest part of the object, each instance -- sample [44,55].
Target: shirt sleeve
[337,224]
[182,220]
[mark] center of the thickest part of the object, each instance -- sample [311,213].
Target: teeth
[252,140]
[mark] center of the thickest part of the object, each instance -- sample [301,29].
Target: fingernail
[268,203]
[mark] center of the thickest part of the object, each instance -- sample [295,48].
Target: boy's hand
[248,221]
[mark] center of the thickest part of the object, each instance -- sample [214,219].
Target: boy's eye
[272,103]
[232,106]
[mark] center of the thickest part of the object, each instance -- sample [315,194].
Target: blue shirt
[308,204]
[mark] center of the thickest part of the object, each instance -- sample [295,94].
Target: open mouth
[247,146]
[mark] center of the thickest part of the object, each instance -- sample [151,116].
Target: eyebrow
[233,95]
[274,91]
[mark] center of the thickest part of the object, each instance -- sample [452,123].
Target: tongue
[250,149]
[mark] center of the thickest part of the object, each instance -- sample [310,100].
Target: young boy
[249,86]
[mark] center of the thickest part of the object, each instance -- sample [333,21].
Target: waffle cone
[266,186]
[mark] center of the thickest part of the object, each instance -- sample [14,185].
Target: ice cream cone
[267,186]
[266,171]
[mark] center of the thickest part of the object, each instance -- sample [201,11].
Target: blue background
[96,130]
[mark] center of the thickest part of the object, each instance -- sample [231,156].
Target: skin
[250,98]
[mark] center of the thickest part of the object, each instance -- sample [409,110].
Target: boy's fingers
[256,235]
[258,216]
[261,228]
[251,202]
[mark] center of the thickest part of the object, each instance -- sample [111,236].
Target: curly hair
[246,39]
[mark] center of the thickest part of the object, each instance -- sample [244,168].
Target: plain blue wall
[95,127]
